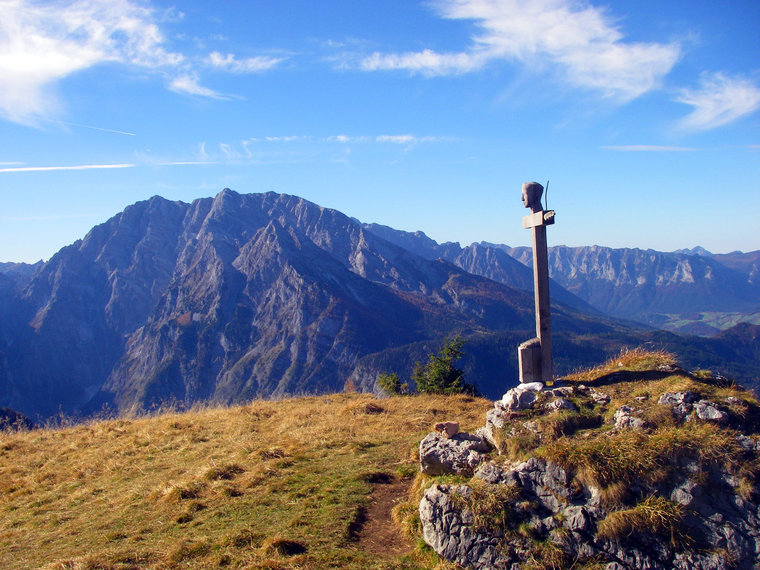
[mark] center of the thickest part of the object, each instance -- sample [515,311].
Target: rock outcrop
[459,454]
[670,479]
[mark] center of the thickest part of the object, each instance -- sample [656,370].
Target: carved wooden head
[531,196]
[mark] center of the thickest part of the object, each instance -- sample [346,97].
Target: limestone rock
[553,507]
[557,510]
[521,397]
[599,397]
[677,398]
[626,418]
[449,429]
[709,411]
[458,455]
[560,404]
[448,529]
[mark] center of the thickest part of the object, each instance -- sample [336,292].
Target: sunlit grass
[269,484]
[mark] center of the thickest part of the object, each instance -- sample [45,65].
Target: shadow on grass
[638,375]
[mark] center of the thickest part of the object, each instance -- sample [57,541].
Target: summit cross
[535,355]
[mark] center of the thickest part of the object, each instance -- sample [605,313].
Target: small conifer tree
[391,384]
[439,375]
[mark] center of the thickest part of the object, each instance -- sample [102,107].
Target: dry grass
[491,505]
[270,484]
[656,515]
[633,359]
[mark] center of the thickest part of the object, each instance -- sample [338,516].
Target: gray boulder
[448,529]
[521,397]
[457,455]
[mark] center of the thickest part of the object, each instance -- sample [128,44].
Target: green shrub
[439,375]
[391,384]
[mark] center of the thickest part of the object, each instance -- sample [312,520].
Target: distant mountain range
[267,295]
[689,291]
[695,292]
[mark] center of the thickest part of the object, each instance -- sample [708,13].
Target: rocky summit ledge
[636,464]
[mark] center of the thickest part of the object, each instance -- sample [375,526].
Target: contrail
[78,167]
[98,128]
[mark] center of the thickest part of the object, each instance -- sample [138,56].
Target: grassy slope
[270,484]
[279,484]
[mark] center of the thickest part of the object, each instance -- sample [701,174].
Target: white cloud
[77,167]
[394,139]
[427,62]
[287,138]
[41,43]
[405,139]
[248,65]
[346,139]
[650,148]
[718,100]
[186,163]
[581,42]
[188,84]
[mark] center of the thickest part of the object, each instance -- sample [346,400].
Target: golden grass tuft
[656,515]
[492,506]
[629,359]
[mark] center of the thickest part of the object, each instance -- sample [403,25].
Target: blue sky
[419,115]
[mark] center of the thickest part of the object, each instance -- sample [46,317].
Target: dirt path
[379,534]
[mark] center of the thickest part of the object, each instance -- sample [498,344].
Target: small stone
[560,404]
[600,397]
[708,411]
[676,398]
[448,429]
[532,386]
[563,391]
[625,418]
[520,397]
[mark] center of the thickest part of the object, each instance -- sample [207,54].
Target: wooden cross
[535,355]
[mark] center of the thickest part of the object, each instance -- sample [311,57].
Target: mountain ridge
[264,295]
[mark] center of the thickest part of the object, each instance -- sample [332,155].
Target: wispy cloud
[346,139]
[77,167]
[718,100]
[187,163]
[405,139]
[581,43]
[42,43]
[427,62]
[230,63]
[189,85]
[650,148]
[287,138]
